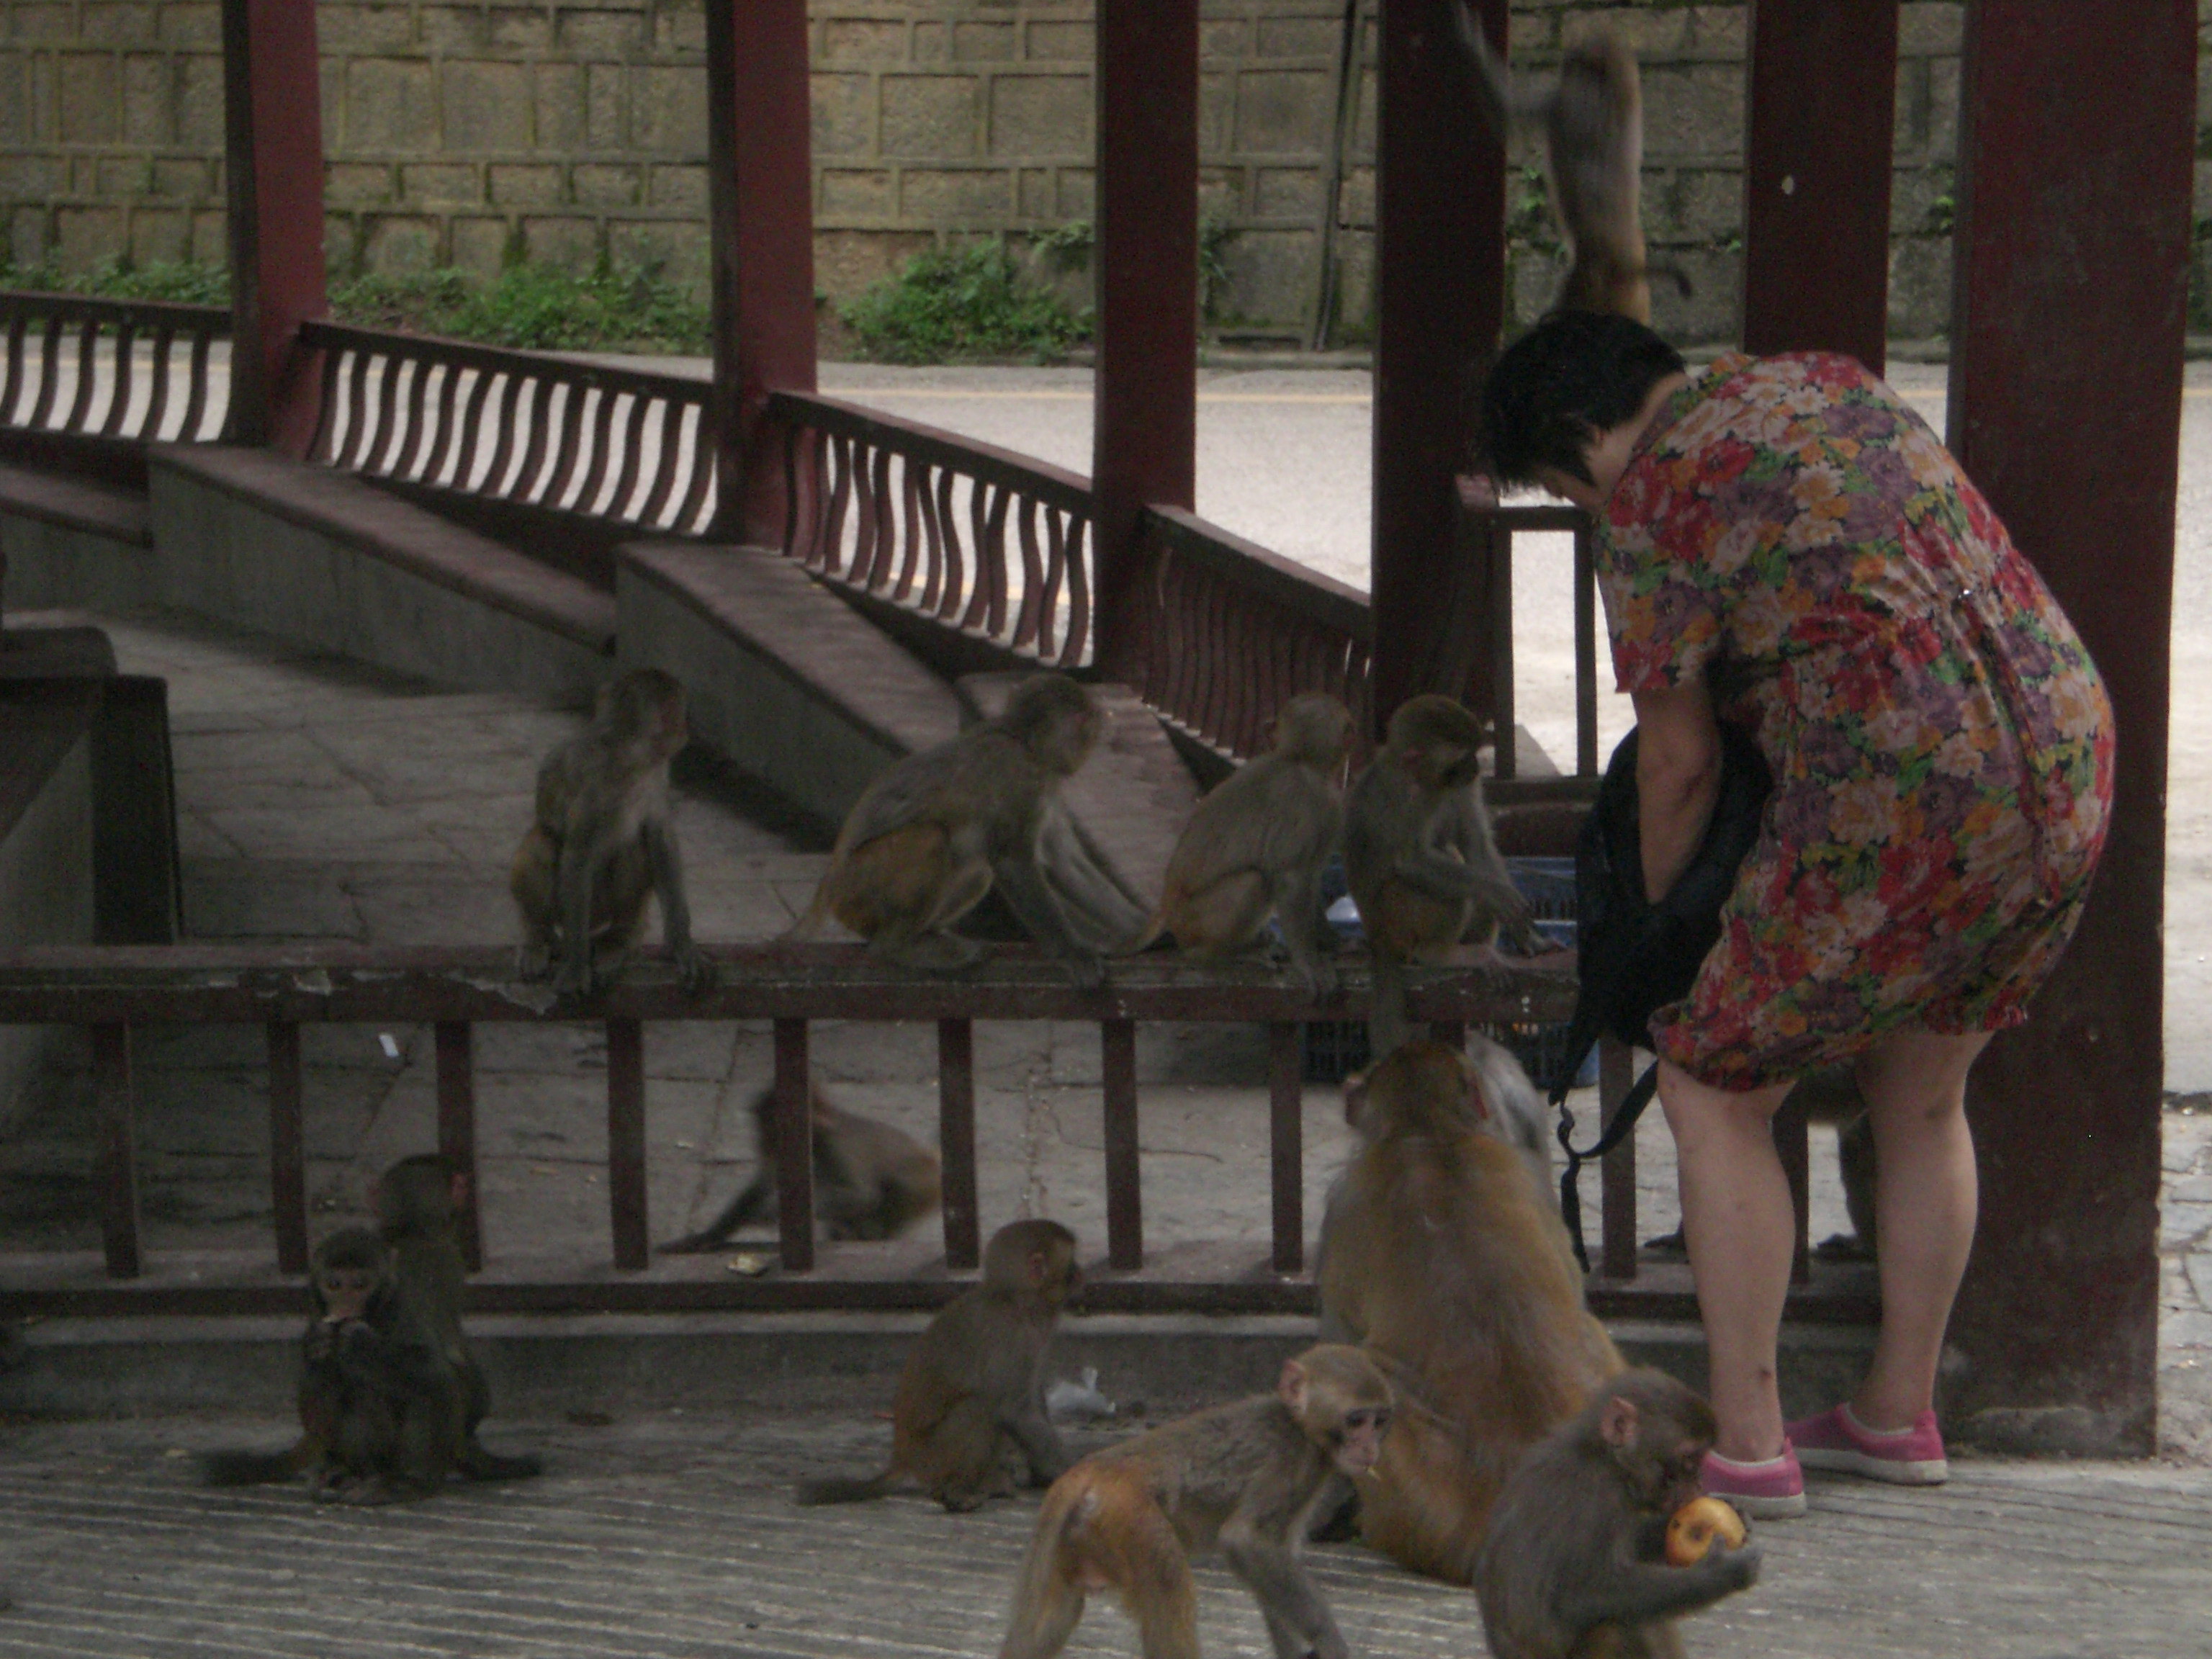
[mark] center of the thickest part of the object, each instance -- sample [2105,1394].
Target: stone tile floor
[319,800]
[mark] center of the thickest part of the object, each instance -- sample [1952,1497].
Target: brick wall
[466,133]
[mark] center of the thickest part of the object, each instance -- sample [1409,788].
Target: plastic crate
[1336,1048]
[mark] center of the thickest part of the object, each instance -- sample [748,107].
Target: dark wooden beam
[1146,431]
[273,170]
[1822,99]
[2074,165]
[761,213]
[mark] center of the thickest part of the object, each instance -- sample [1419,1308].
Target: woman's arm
[1678,777]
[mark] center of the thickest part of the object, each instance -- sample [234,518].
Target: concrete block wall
[463,132]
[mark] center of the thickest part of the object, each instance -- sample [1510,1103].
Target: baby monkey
[933,834]
[1256,845]
[1242,1477]
[1419,857]
[1574,1566]
[1592,119]
[604,841]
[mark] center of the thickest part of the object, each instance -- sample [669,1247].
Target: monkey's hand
[695,971]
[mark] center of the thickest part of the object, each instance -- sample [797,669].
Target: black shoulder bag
[1635,957]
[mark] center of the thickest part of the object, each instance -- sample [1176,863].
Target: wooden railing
[133,369]
[1232,632]
[879,503]
[1506,520]
[517,427]
[113,990]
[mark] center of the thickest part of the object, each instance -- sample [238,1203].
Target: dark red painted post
[760,202]
[1440,277]
[273,164]
[2075,164]
[1822,102]
[1145,430]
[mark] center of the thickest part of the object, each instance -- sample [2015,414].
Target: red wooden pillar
[1145,433]
[760,203]
[1823,98]
[273,165]
[1440,259]
[2078,129]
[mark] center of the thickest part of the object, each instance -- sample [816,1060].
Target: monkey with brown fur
[930,837]
[1256,845]
[1592,119]
[972,1391]
[1443,1254]
[380,1409]
[1419,857]
[1575,1567]
[603,840]
[870,1179]
[1242,1477]
[417,1203]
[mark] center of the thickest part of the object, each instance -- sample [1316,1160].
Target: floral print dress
[1788,532]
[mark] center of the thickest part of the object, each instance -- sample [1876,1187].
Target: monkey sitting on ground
[1592,119]
[1419,857]
[603,840]
[972,1392]
[1243,1477]
[380,1409]
[1256,845]
[931,836]
[871,1181]
[1443,1254]
[417,1203]
[1575,1567]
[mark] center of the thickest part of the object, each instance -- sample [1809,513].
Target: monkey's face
[1679,1469]
[1358,1442]
[1054,1277]
[345,1293]
[1067,743]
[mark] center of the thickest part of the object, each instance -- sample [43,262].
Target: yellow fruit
[1697,1526]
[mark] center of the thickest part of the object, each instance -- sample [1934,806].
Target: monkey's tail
[251,1468]
[843,1489]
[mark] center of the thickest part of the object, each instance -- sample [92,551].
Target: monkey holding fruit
[603,840]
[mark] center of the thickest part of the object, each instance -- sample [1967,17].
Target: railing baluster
[389,421]
[118,1153]
[869,466]
[956,1140]
[50,377]
[978,523]
[918,555]
[1055,572]
[527,476]
[1125,1205]
[696,512]
[88,348]
[877,555]
[429,419]
[943,597]
[455,1042]
[603,443]
[794,1147]
[1792,1141]
[458,459]
[288,1146]
[1615,1064]
[196,396]
[626,1197]
[157,391]
[119,403]
[503,408]
[633,449]
[669,447]
[1286,1125]
[1025,619]
[992,569]
[830,555]
[13,385]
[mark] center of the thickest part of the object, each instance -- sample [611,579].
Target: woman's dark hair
[1553,390]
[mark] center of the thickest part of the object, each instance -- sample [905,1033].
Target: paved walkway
[673,1537]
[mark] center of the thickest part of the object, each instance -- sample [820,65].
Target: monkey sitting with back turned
[933,834]
[603,840]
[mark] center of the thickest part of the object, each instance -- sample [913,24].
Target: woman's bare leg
[1914,1084]
[1741,1230]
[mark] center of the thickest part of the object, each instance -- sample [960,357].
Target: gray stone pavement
[673,1534]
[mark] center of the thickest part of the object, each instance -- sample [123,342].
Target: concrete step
[542,1365]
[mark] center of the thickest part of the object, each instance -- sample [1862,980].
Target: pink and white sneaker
[1772,1491]
[1906,1458]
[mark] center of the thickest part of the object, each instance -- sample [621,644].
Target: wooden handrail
[137,313]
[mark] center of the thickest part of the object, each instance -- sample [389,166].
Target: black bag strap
[1624,1121]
